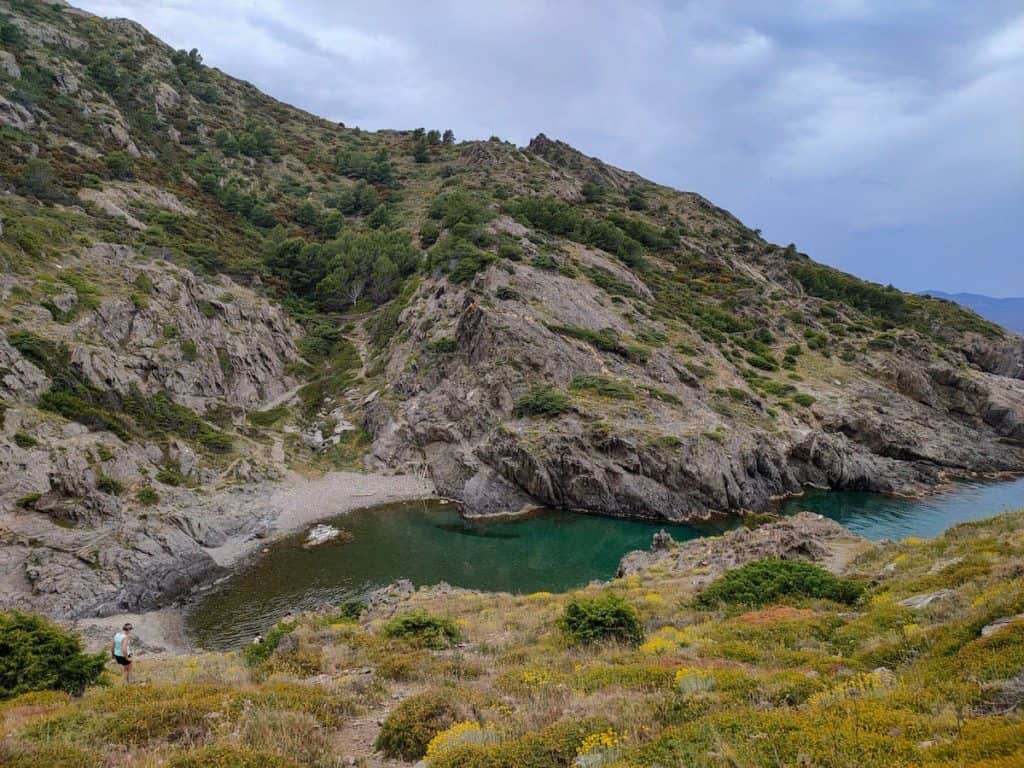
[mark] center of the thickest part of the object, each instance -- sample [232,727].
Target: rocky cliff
[205,289]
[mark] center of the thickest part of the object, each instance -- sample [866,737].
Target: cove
[429,542]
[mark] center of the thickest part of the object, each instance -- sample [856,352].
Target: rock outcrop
[804,536]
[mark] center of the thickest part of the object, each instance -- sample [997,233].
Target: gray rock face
[203,343]
[9,65]
[73,539]
[900,425]
[15,116]
[19,379]
[999,624]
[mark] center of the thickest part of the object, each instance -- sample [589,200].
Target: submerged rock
[321,534]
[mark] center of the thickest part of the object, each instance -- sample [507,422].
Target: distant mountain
[1009,313]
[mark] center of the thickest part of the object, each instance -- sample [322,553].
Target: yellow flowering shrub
[602,741]
[664,640]
[451,737]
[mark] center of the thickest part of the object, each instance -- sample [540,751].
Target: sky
[885,138]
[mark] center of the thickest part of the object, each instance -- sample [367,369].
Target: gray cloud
[885,138]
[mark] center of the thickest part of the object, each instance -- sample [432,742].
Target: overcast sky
[886,138]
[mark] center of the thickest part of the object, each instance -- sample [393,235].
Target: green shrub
[256,653]
[148,496]
[25,441]
[269,417]
[545,262]
[189,351]
[109,485]
[28,501]
[606,340]
[227,756]
[36,655]
[802,398]
[762,362]
[429,233]
[412,724]
[608,617]
[350,610]
[765,581]
[544,401]
[47,756]
[555,746]
[216,441]
[603,386]
[443,346]
[507,294]
[422,629]
[170,476]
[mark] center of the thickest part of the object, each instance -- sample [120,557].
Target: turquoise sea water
[428,542]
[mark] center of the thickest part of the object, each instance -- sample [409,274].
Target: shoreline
[300,502]
[305,501]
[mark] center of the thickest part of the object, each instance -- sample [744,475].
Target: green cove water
[429,542]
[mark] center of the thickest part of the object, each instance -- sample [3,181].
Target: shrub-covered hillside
[204,289]
[913,655]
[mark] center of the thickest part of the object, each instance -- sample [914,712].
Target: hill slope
[205,289]
[1008,312]
[924,670]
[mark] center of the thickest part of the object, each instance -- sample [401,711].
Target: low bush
[350,610]
[555,746]
[544,401]
[109,485]
[28,501]
[226,756]
[25,441]
[507,294]
[607,617]
[803,399]
[36,655]
[422,629]
[269,417]
[411,725]
[765,581]
[257,653]
[603,386]
[148,496]
[606,340]
[47,756]
[443,346]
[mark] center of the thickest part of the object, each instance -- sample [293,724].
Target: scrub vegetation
[772,664]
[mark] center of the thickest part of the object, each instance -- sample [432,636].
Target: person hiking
[121,650]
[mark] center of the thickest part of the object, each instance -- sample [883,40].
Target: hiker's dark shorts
[122,660]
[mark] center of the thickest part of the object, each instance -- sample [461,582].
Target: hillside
[207,294]
[1008,312]
[914,656]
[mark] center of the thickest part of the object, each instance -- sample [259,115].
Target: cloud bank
[884,138]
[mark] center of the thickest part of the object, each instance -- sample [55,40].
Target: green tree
[421,153]
[448,137]
[36,655]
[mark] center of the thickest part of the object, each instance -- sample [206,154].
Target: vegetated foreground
[912,655]
[206,291]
